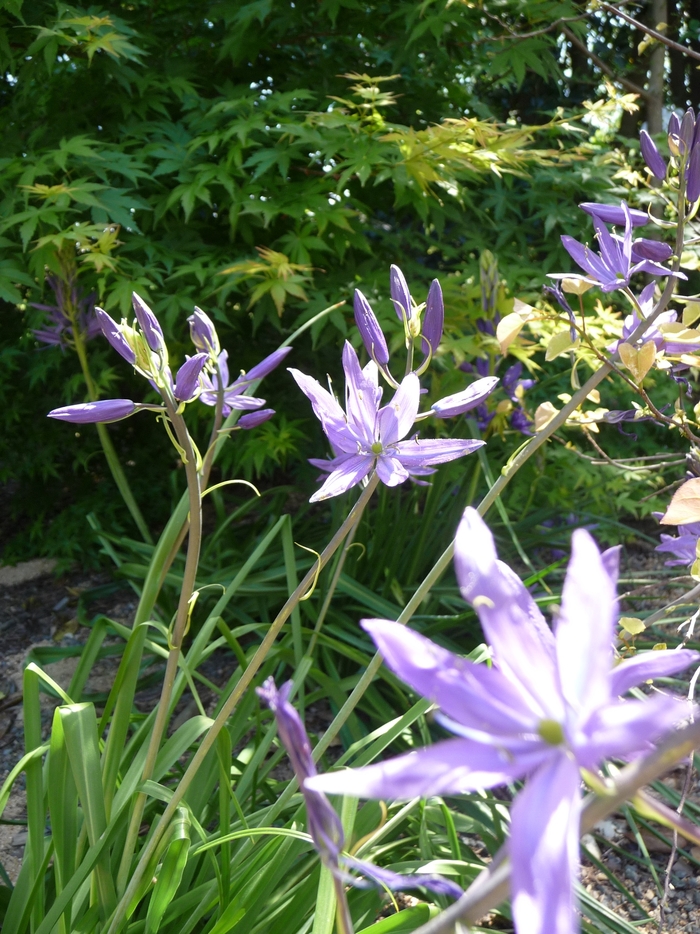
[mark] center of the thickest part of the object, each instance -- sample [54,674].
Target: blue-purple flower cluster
[203,376]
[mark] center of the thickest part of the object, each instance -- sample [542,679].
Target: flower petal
[391,471]
[350,472]
[362,396]
[659,664]
[327,410]
[418,453]
[544,849]
[523,645]
[398,417]
[584,627]
[397,882]
[474,695]
[449,767]
[626,727]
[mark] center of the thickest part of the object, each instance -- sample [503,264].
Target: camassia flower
[619,258]
[367,436]
[323,822]
[142,344]
[234,397]
[550,706]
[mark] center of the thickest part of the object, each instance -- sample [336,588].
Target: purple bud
[692,190]
[674,125]
[610,214]
[111,331]
[400,295]
[434,316]
[187,377]
[652,156]
[688,128]
[85,413]
[370,331]
[467,399]
[268,364]
[149,323]
[253,419]
[203,332]
[653,250]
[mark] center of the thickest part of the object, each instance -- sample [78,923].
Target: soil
[39,609]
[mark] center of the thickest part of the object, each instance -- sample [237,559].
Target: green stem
[331,588]
[111,455]
[343,918]
[178,633]
[231,702]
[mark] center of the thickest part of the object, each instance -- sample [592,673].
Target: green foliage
[260,160]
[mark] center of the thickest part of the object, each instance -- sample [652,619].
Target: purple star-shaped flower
[619,259]
[550,705]
[234,397]
[323,822]
[367,436]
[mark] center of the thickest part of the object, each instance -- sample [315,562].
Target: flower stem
[233,699]
[111,455]
[343,918]
[176,638]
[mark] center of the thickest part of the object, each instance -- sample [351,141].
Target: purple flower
[187,378]
[366,436]
[692,190]
[613,267]
[467,399]
[323,822]
[253,419]
[113,333]
[632,322]
[550,705]
[683,546]
[655,250]
[59,328]
[149,324]
[234,397]
[400,295]
[86,413]
[370,331]
[203,333]
[610,214]
[652,156]
[434,316]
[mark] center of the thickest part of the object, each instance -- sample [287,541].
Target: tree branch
[649,31]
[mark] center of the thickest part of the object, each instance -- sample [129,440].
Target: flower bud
[467,399]
[86,413]
[112,332]
[688,128]
[400,295]
[203,333]
[370,331]
[187,377]
[149,324]
[434,319]
[652,156]
[654,250]
[253,419]
[692,190]
[610,214]
[268,364]
[488,277]
[674,125]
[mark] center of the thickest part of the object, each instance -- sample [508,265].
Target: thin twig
[660,37]
[601,66]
